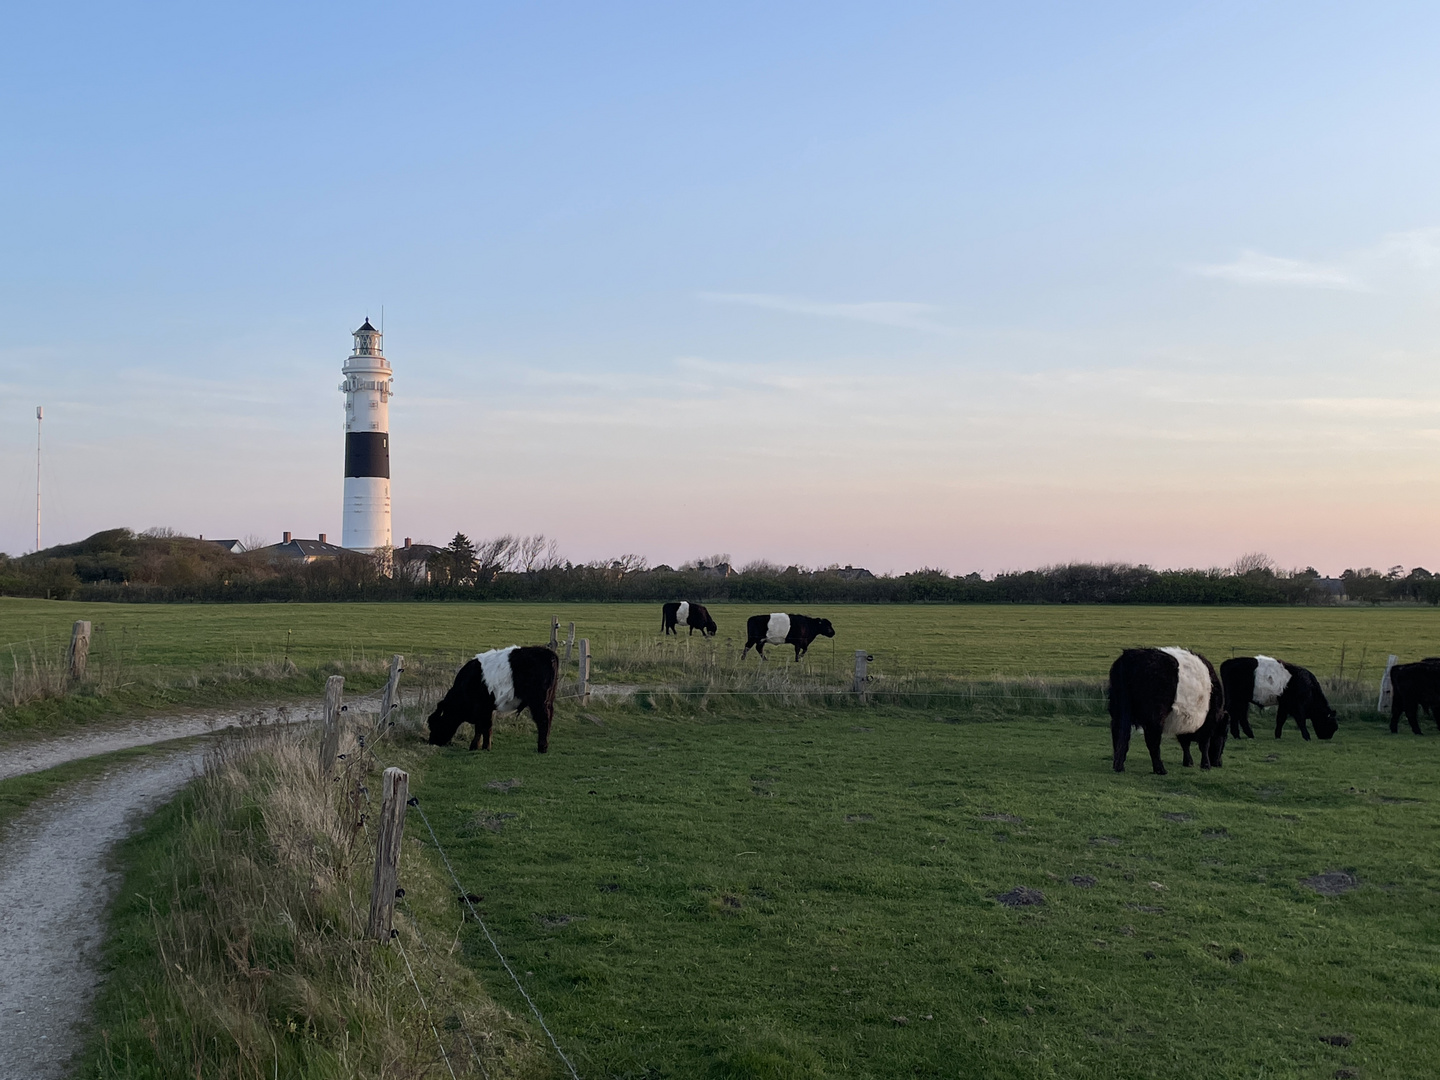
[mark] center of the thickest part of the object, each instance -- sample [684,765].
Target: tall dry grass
[696,672]
[239,943]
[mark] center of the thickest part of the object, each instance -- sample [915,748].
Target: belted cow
[501,680]
[1413,687]
[682,613]
[1293,690]
[1169,691]
[782,629]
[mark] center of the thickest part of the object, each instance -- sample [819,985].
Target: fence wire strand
[415,802]
[428,1018]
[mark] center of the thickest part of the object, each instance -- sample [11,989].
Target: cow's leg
[1240,721]
[1185,741]
[542,724]
[484,726]
[1300,722]
[1212,748]
[1154,734]
[1413,715]
[1119,741]
[746,651]
[1395,711]
[1280,718]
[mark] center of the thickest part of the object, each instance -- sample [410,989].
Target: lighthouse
[365,523]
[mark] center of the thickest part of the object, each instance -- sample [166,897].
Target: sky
[970,286]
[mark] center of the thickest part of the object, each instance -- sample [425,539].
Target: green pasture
[813,892]
[966,641]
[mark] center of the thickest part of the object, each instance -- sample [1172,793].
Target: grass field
[725,888]
[165,641]
[812,892]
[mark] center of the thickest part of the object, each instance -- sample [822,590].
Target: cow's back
[1418,682]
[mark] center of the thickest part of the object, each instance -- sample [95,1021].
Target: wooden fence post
[330,743]
[569,642]
[394,793]
[554,633]
[391,697]
[1386,690]
[862,671]
[79,648]
[584,676]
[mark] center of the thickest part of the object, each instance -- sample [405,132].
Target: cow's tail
[554,684]
[1120,713]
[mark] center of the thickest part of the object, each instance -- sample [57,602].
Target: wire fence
[367,747]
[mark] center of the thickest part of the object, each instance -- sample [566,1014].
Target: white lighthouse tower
[365,524]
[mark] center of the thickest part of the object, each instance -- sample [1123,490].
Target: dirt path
[55,887]
[17,759]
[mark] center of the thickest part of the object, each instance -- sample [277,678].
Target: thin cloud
[1257,268]
[909,316]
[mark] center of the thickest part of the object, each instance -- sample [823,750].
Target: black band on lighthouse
[367,453]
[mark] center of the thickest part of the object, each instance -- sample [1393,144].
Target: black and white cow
[1169,691]
[1292,689]
[682,613]
[501,680]
[1413,687]
[782,629]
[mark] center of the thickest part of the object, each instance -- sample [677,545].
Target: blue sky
[979,286]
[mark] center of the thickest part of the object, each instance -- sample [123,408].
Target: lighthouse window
[374,404]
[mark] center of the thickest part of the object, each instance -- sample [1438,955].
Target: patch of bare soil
[1332,883]
[1021,896]
[55,884]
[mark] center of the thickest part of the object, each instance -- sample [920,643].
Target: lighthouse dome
[367,340]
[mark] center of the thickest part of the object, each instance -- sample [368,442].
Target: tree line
[121,565]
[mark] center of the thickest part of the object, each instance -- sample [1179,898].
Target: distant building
[235,547]
[854,573]
[303,551]
[1330,586]
[412,561]
[719,570]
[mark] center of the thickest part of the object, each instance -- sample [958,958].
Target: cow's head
[443,724]
[823,628]
[1327,725]
[709,627]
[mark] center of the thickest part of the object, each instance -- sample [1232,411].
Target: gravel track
[56,881]
[56,884]
[21,758]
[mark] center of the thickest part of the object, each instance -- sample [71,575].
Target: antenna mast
[39,419]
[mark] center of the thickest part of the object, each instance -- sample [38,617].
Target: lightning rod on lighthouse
[368,387]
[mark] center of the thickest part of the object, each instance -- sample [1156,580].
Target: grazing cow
[782,629]
[1168,691]
[1292,689]
[680,613]
[501,680]
[1412,687]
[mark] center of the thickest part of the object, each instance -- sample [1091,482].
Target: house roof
[305,549]
[417,551]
